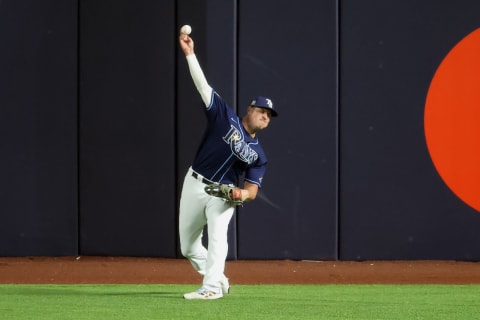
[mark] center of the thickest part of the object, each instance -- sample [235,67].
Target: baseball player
[229,149]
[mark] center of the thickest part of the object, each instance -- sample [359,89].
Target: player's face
[259,118]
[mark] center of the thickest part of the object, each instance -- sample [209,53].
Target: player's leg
[219,214]
[192,221]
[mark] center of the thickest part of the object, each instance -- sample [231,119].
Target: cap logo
[269,102]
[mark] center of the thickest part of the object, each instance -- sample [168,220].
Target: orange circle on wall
[452,120]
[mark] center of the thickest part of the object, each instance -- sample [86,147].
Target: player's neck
[249,130]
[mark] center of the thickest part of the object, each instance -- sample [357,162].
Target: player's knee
[187,251]
[184,250]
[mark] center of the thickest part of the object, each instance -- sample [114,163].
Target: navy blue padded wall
[287,51]
[127,152]
[38,121]
[393,203]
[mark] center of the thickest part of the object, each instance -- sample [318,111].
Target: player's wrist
[245,195]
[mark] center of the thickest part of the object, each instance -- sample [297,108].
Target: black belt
[196,176]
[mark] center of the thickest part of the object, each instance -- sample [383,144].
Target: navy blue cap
[262,102]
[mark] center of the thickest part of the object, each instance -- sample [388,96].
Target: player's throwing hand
[186,43]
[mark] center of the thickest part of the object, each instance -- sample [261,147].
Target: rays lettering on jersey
[239,147]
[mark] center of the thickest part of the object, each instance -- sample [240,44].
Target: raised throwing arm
[187,45]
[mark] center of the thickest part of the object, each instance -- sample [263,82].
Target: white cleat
[202,294]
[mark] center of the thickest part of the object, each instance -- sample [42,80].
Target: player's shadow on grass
[139,294]
[76,291]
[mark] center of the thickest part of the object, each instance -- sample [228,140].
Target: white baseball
[186,29]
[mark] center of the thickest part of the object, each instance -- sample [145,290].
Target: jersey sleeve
[255,174]
[217,108]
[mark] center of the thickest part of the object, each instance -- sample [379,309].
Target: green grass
[297,302]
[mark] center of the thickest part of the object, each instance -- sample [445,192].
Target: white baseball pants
[198,209]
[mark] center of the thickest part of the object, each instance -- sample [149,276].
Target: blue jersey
[227,151]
